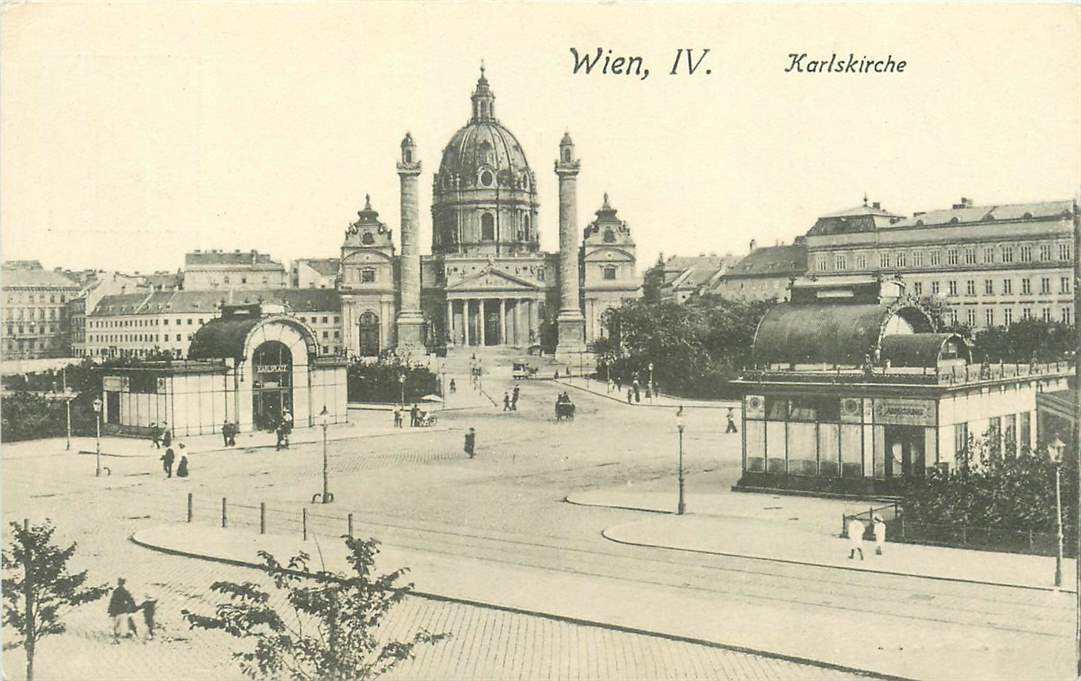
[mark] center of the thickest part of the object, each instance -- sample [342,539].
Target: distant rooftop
[193,302]
[772,261]
[30,274]
[235,258]
[967,213]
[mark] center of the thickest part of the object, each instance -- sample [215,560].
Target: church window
[367,275]
[610,272]
[367,239]
[540,274]
[525,226]
[487,227]
[609,236]
[486,178]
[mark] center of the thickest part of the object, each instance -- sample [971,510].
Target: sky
[131,133]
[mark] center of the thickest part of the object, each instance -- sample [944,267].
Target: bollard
[189,507]
[224,516]
[262,517]
[350,521]
[304,522]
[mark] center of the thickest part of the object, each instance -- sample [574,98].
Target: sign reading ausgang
[905,412]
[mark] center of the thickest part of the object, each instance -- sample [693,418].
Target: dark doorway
[369,334]
[904,455]
[491,326]
[112,404]
[272,384]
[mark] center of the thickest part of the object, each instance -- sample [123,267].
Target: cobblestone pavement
[505,506]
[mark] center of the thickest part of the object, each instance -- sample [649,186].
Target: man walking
[731,427]
[167,461]
[855,537]
[155,435]
[414,416]
[225,433]
[166,434]
[514,400]
[397,416]
[470,442]
[149,606]
[506,401]
[121,607]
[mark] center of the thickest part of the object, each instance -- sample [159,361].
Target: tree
[38,588]
[330,633]
[653,281]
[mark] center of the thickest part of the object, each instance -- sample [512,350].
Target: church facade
[486,281]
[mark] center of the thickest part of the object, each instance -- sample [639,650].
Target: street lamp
[680,507]
[651,390]
[1055,451]
[97,436]
[326,497]
[69,395]
[443,383]
[401,384]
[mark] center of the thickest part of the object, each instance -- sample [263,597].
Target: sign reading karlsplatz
[906,412]
[271,368]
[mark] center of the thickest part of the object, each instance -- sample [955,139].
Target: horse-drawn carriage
[523,371]
[564,408]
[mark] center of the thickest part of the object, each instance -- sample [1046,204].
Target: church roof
[484,143]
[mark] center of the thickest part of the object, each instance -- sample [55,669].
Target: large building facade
[35,310]
[486,281]
[993,264]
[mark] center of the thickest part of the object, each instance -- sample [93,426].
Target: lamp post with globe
[401,385]
[97,436]
[326,497]
[680,506]
[1055,451]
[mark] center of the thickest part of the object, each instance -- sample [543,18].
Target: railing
[954,375]
[1006,539]
[231,514]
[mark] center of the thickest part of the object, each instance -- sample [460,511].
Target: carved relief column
[570,322]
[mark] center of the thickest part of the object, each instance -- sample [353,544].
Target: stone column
[569,320]
[410,319]
[465,321]
[480,320]
[502,321]
[448,324]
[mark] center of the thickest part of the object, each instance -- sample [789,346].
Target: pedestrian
[182,467]
[149,606]
[731,427]
[279,434]
[557,374]
[225,433]
[287,422]
[166,434]
[630,395]
[414,416]
[880,534]
[397,416]
[637,395]
[855,537]
[453,388]
[121,607]
[167,461]
[234,428]
[155,435]
[506,401]
[514,399]
[470,442]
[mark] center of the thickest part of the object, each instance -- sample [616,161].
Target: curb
[571,620]
[789,561]
[735,403]
[584,504]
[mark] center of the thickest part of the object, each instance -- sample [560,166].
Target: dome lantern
[483,99]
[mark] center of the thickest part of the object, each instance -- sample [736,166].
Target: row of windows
[38,297]
[146,352]
[1005,316]
[43,330]
[1005,287]
[970,255]
[34,313]
[153,321]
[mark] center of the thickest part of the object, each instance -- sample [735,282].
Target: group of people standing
[416,416]
[510,401]
[855,529]
[162,436]
[122,609]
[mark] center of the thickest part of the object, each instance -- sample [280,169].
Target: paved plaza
[538,590]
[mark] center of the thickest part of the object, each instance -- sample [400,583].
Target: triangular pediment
[492,279]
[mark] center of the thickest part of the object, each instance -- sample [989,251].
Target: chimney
[754,244]
[877,204]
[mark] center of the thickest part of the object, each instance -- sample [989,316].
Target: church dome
[483,153]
